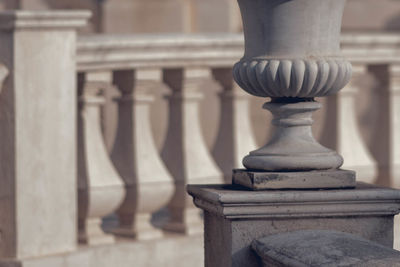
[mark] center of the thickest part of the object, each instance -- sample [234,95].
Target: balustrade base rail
[173,250]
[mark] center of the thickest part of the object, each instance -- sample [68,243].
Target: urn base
[292,147]
[326,179]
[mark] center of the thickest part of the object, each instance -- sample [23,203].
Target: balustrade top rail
[164,50]
[371,48]
[99,52]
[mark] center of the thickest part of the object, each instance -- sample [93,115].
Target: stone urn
[292,55]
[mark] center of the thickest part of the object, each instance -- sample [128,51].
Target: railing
[182,62]
[137,65]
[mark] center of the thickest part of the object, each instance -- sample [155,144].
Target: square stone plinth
[294,180]
[234,216]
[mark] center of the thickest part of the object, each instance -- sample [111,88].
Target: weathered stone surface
[234,216]
[323,248]
[38,132]
[294,180]
[292,147]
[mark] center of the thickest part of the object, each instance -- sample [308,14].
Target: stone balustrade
[181,62]
[135,181]
[374,54]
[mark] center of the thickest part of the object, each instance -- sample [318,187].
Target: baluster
[100,189]
[387,133]
[235,135]
[344,135]
[185,152]
[148,184]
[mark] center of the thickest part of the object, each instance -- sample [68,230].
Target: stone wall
[383,15]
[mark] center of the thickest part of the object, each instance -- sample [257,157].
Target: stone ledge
[232,201]
[171,251]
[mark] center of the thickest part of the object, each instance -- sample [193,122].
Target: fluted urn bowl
[292,48]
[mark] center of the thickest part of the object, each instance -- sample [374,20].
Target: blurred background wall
[144,16]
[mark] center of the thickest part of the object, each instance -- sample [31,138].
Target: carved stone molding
[292,77]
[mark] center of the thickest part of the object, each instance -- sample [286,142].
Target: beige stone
[93,6]
[387,151]
[343,134]
[222,51]
[185,153]
[358,14]
[215,16]
[132,16]
[148,183]
[107,52]
[100,188]
[235,134]
[171,251]
[137,16]
[38,130]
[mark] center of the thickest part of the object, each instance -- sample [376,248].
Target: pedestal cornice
[235,202]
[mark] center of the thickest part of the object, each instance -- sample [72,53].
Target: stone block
[294,180]
[235,216]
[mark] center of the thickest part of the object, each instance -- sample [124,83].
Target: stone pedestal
[234,216]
